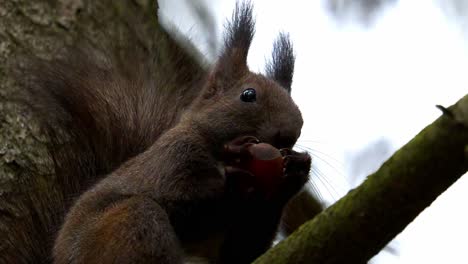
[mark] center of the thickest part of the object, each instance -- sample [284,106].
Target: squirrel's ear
[239,33]
[281,67]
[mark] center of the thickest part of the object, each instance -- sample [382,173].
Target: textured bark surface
[359,225]
[42,29]
[352,231]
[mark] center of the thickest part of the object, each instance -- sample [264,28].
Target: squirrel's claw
[238,147]
[244,139]
[286,152]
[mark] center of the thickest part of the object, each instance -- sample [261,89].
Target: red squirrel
[155,169]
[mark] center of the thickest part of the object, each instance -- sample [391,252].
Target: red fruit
[266,164]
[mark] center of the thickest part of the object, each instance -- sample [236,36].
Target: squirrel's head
[237,102]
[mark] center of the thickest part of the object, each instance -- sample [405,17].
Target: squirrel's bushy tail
[99,108]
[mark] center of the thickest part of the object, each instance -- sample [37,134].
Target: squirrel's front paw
[236,149]
[261,170]
[296,174]
[240,182]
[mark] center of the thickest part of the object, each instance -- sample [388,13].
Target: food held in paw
[265,162]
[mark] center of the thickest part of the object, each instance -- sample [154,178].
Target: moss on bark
[360,224]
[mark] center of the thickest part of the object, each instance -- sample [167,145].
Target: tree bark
[351,231]
[360,224]
[42,28]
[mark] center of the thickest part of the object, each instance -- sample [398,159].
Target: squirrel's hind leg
[133,230]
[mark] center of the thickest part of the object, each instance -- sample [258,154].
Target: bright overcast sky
[356,85]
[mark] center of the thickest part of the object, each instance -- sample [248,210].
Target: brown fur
[158,151]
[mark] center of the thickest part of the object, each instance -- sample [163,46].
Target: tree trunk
[42,28]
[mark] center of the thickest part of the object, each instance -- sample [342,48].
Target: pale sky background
[358,85]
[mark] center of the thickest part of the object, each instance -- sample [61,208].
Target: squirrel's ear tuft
[239,31]
[238,36]
[281,67]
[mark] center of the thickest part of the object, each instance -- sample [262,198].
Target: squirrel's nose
[283,139]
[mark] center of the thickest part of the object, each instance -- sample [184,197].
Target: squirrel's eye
[249,95]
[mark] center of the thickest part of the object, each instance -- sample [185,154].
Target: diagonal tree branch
[359,225]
